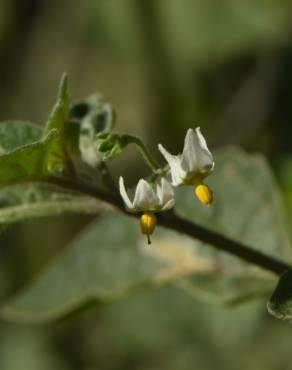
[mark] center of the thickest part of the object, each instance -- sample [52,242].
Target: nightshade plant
[63,168]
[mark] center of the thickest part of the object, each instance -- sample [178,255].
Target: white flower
[195,161]
[193,165]
[148,200]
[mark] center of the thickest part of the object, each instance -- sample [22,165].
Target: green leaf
[58,118]
[64,154]
[168,321]
[111,260]
[28,162]
[27,201]
[219,288]
[280,304]
[24,201]
[15,134]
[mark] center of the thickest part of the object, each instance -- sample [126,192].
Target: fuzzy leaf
[95,269]
[23,157]
[58,118]
[27,162]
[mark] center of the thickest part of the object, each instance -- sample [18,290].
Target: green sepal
[111,145]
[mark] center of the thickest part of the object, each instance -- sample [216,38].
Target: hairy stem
[144,151]
[175,222]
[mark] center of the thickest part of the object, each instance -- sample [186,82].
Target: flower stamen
[148,222]
[204,193]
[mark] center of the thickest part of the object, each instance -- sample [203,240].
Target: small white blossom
[194,164]
[147,197]
[148,200]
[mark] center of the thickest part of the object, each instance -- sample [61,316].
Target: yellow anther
[148,222]
[204,193]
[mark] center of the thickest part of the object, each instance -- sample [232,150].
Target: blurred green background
[165,65]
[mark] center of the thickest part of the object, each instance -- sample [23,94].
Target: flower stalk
[131,139]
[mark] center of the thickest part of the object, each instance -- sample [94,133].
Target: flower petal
[124,194]
[174,161]
[168,205]
[145,198]
[164,192]
[196,156]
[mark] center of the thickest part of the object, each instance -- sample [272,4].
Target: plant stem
[144,151]
[221,242]
[175,222]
